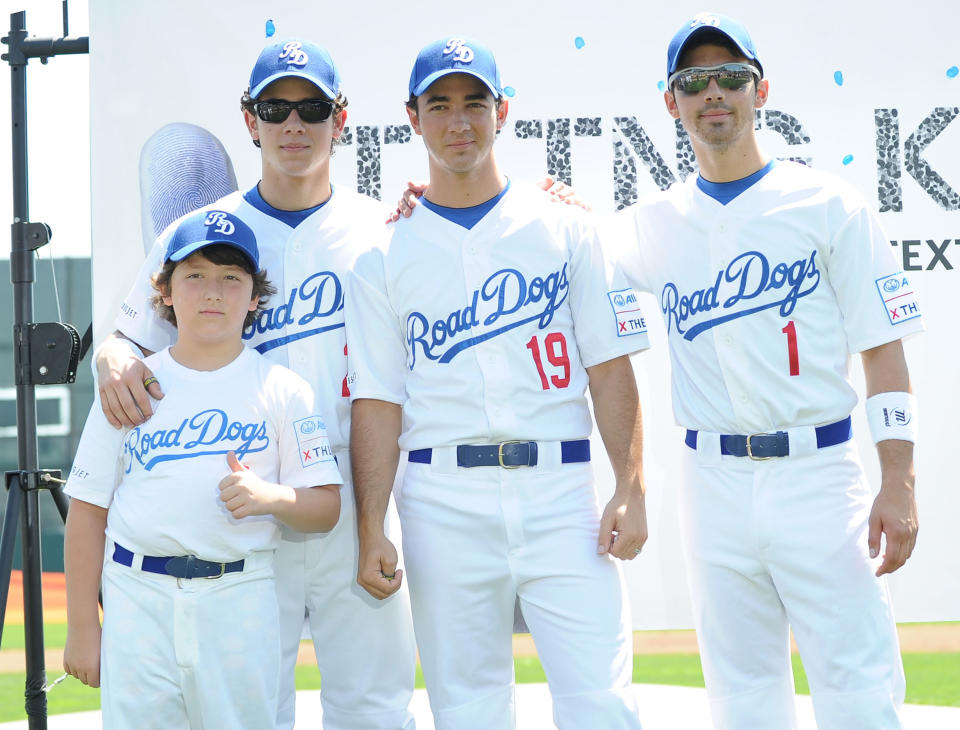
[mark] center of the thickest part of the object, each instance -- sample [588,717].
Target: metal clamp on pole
[46,353]
[25,236]
[34,481]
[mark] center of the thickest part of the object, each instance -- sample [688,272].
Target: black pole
[26,238]
[22,272]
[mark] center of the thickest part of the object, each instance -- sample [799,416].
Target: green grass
[54,635]
[932,679]
[68,696]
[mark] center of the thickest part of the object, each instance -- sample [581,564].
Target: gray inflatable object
[182,168]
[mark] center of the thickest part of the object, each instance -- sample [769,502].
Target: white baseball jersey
[302,326]
[483,335]
[765,298]
[160,480]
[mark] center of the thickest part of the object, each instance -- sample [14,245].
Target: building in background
[61,409]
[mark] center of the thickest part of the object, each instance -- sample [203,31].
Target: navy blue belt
[509,454]
[769,445]
[181,566]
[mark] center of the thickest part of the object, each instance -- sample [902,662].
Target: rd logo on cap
[294,53]
[221,223]
[705,19]
[461,52]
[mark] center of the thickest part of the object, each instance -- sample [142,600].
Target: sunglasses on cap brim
[310,111]
[729,76]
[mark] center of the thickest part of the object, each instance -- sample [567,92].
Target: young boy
[179,516]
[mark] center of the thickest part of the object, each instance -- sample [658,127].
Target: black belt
[180,566]
[769,445]
[509,454]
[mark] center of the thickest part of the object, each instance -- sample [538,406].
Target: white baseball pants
[473,539]
[783,543]
[364,647]
[189,654]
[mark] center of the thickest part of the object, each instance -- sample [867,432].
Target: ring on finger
[149,381]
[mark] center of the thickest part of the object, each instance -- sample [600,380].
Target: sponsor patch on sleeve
[627,312]
[899,298]
[314,446]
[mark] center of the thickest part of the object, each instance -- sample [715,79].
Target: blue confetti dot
[848,159]
[271,28]
[509,91]
[661,85]
[579,42]
[838,77]
[952,72]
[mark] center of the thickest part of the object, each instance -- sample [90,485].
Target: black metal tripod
[44,353]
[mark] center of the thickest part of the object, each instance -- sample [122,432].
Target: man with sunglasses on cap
[769,276]
[473,335]
[309,235]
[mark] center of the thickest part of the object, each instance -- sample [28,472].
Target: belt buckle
[223,567]
[500,454]
[750,448]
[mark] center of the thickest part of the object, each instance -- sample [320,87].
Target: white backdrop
[586,78]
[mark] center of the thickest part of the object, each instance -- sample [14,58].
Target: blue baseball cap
[208,227]
[455,55]
[706,23]
[300,59]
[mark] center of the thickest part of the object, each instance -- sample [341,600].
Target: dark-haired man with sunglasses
[770,275]
[309,234]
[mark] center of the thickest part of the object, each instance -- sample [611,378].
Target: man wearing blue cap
[770,275]
[473,336]
[180,516]
[309,234]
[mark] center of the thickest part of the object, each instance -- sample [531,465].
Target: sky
[58,131]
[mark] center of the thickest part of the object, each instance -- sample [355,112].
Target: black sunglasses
[310,111]
[729,76]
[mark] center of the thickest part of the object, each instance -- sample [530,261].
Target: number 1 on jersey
[556,346]
[791,332]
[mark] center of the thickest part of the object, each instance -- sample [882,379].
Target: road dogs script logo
[315,306]
[746,278]
[208,432]
[509,293]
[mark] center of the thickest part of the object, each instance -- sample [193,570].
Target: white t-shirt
[160,480]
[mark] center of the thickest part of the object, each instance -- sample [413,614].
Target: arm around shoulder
[124,381]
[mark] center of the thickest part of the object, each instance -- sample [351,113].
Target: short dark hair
[222,255]
[339,104]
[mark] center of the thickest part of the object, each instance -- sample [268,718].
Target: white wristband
[892,416]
